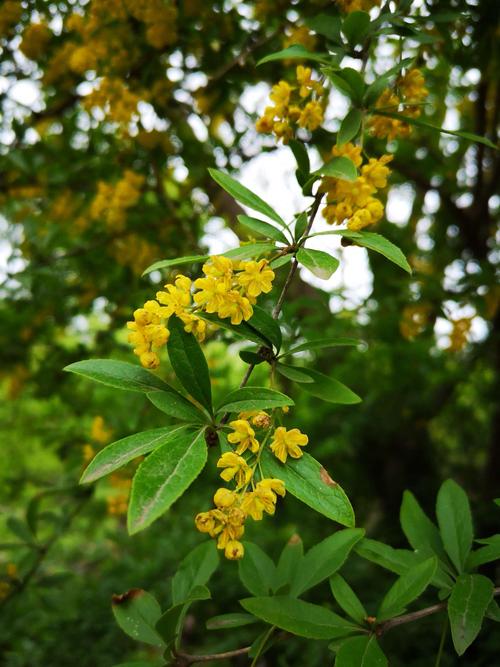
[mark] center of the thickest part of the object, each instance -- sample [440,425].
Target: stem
[441,643]
[187,659]
[262,644]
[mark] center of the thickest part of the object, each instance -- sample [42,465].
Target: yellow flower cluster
[414,320]
[250,498]
[299,35]
[301,105]
[353,201]
[459,333]
[35,39]
[99,432]
[113,200]
[229,289]
[10,13]
[115,99]
[409,94]
[159,18]
[348,6]
[117,502]
[134,251]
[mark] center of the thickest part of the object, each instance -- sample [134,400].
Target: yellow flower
[311,116]
[349,150]
[376,172]
[195,325]
[177,297]
[219,267]
[149,360]
[235,306]
[256,277]
[224,498]
[212,292]
[280,94]
[244,435]
[288,443]
[234,466]
[360,220]
[234,550]
[263,498]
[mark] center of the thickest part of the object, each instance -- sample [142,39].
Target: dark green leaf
[289,562]
[254,398]
[485,554]
[300,226]
[294,52]
[493,611]
[122,451]
[301,156]
[469,600]
[398,561]
[298,617]
[347,599]
[243,330]
[137,613]
[176,405]
[419,530]
[262,228]
[195,570]
[266,326]
[163,477]
[361,651]
[307,480]
[381,82]
[349,81]
[324,559]
[189,363]
[339,167]
[320,263]
[293,373]
[326,25]
[229,621]
[455,522]
[349,127]
[250,357]
[379,244]
[329,389]
[118,374]
[407,588]
[356,26]
[320,343]
[244,195]
[169,626]
[256,570]
[167,263]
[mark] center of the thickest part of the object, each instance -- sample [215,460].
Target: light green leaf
[301,156]
[280,261]
[339,167]
[176,405]
[398,561]
[121,452]
[320,263]
[329,389]
[256,570]
[250,250]
[407,588]
[485,554]
[379,244]
[307,480]
[455,522]
[195,570]
[324,559]
[254,398]
[347,599]
[493,611]
[244,195]
[419,530]
[262,228]
[294,52]
[349,81]
[167,263]
[327,25]
[349,127]
[300,225]
[163,477]
[298,617]
[293,373]
[137,612]
[189,363]
[118,374]
[230,621]
[361,651]
[321,343]
[469,600]
[356,26]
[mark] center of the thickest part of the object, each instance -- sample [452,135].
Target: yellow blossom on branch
[236,467]
[288,443]
[243,436]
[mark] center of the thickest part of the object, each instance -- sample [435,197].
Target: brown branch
[188,659]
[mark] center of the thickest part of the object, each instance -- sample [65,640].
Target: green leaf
[251,357]
[176,405]
[230,621]
[243,330]
[289,562]
[256,570]
[347,599]
[163,477]
[324,559]
[328,389]
[294,52]
[398,561]
[469,136]
[349,127]
[189,363]
[493,611]
[320,263]
[339,167]
[300,226]
[469,600]
[266,326]
[379,244]
[361,651]
[381,82]
[455,522]
[250,250]
[419,530]
[355,27]
[349,81]
[254,398]
[321,343]
[326,25]
[280,261]
[118,374]
[407,588]
[485,554]
[244,195]
[298,617]
[169,626]
[137,613]
[293,373]
[263,228]
[301,156]
[121,452]
[195,570]
[167,263]
[307,480]
[20,529]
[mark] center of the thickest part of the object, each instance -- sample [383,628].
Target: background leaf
[118,374]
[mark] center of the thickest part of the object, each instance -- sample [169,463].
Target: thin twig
[189,659]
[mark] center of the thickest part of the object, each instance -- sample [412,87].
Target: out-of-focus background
[112,111]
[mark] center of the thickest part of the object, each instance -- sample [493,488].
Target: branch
[188,659]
